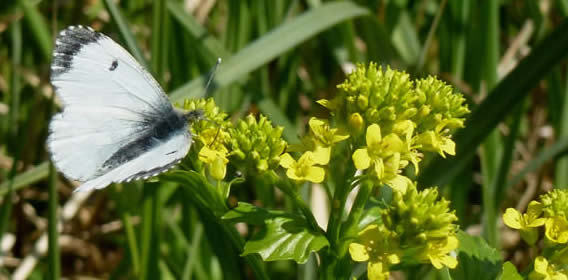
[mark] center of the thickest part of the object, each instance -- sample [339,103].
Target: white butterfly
[117,124]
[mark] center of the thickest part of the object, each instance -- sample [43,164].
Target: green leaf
[510,272]
[250,214]
[371,215]
[285,238]
[273,44]
[30,176]
[205,194]
[476,260]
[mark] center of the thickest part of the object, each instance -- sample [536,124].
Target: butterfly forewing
[117,124]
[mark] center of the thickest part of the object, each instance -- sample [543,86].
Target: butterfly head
[194,115]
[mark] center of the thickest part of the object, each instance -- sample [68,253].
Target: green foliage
[510,272]
[283,236]
[476,259]
[279,59]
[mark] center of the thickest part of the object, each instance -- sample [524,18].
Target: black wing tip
[68,43]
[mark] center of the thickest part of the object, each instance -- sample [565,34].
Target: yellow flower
[324,137]
[406,129]
[376,246]
[304,169]
[557,229]
[216,161]
[526,223]
[384,155]
[437,252]
[545,271]
[433,141]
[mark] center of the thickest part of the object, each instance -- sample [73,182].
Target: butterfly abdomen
[159,132]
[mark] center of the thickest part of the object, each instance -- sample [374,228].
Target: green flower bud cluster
[372,95]
[555,203]
[213,117]
[256,145]
[424,225]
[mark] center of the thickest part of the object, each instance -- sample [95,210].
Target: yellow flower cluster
[550,212]
[399,119]
[417,226]
[316,148]
[212,135]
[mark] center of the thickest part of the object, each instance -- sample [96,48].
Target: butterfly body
[117,124]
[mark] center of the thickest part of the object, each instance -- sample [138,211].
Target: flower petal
[218,168]
[399,183]
[358,252]
[291,173]
[287,161]
[315,174]
[448,146]
[317,126]
[512,218]
[321,155]
[377,271]
[361,159]
[449,261]
[373,136]
[541,265]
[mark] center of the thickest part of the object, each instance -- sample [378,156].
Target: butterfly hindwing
[115,114]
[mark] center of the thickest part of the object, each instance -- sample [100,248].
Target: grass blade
[25,179]
[545,155]
[508,93]
[38,26]
[125,31]
[273,44]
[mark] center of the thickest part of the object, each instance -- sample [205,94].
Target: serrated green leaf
[250,214]
[476,259]
[510,272]
[285,238]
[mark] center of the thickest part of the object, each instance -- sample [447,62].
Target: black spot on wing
[113,65]
[68,43]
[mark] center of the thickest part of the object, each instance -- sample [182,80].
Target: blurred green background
[507,57]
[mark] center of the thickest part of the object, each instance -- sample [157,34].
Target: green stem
[336,215]
[253,260]
[301,204]
[132,243]
[350,228]
[53,233]
[335,264]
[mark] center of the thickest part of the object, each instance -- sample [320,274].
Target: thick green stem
[336,215]
[350,228]
[336,263]
[301,204]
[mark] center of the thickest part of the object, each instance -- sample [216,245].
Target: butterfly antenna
[212,75]
[216,135]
